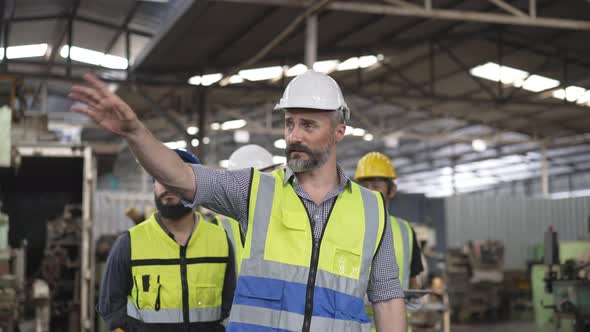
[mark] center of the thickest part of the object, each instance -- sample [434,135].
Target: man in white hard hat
[315,241]
[252,156]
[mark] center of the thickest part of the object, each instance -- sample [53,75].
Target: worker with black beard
[172,272]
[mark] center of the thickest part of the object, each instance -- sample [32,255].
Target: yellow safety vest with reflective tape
[403,243]
[174,284]
[291,282]
[232,228]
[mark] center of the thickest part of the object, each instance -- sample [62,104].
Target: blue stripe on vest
[269,293]
[332,304]
[243,327]
[289,296]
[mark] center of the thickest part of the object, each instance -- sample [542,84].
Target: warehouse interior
[482,107]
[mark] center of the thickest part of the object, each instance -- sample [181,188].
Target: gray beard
[301,165]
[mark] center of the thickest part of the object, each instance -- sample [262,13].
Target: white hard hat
[314,90]
[250,155]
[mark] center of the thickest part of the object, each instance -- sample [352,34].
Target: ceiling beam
[443,14]
[124,26]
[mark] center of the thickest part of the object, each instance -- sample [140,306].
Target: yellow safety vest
[291,282]
[174,284]
[232,228]
[403,243]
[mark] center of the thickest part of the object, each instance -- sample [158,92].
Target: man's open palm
[103,106]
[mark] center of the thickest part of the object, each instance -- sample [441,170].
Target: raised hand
[104,107]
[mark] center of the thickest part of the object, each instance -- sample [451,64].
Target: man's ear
[392,191]
[339,132]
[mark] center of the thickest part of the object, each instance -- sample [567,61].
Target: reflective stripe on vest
[172,315]
[232,228]
[298,282]
[174,284]
[402,241]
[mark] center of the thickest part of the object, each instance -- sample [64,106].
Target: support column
[200,150]
[311,41]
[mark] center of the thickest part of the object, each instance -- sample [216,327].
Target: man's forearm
[162,163]
[390,316]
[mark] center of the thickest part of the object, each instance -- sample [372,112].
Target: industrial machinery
[561,287]
[47,193]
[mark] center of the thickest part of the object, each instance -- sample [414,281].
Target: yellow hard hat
[375,165]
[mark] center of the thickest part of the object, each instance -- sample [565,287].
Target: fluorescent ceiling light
[571,93]
[93,57]
[236,79]
[261,74]
[176,145]
[537,83]
[206,140]
[280,144]
[114,62]
[195,142]
[326,66]
[367,61]
[479,145]
[359,62]
[82,54]
[233,124]
[358,132]
[192,130]
[241,136]
[224,163]
[349,64]
[195,80]
[205,80]
[368,137]
[24,51]
[279,159]
[348,131]
[494,72]
[215,126]
[534,83]
[209,79]
[296,70]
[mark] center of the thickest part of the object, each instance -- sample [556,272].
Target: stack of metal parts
[60,268]
[475,276]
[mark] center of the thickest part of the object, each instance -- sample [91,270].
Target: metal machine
[561,287]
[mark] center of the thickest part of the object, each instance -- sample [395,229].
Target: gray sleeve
[225,192]
[116,284]
[384,283]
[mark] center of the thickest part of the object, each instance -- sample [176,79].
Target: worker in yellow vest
[375,171]
[248,156]
[172,272]
[315,241]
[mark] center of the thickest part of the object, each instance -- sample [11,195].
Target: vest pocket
[263,294]
[206,295]
[346,263]
[147,291]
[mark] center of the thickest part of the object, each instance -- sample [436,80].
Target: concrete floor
[496,327]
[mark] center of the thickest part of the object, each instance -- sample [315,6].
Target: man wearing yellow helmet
[375,171]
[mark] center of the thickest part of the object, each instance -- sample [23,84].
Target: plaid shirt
[226,192]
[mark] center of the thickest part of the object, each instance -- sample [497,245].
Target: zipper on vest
[313,269]
[136,293]
[184,282]
[315,254]
[157,306]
